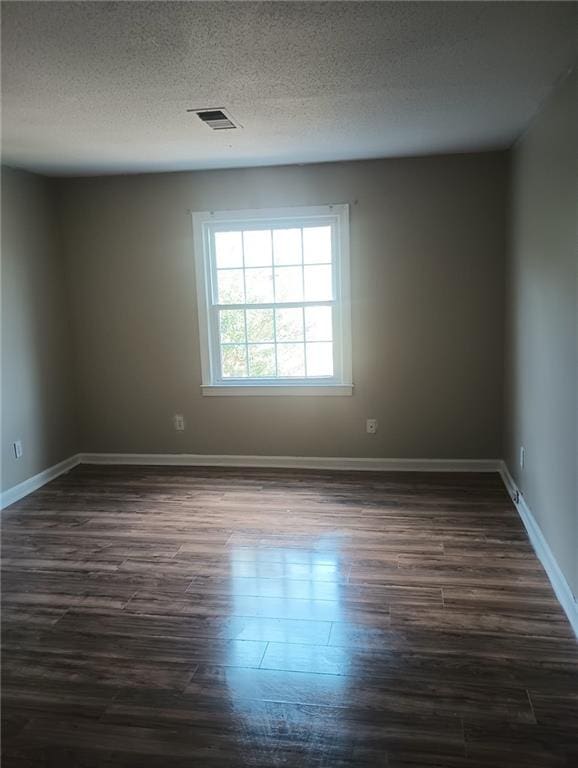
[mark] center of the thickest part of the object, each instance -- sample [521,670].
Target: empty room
[289,373]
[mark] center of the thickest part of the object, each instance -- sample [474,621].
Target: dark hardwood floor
[168,617]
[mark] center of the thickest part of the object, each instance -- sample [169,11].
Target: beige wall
[542,355]
[427,253]
[36,366]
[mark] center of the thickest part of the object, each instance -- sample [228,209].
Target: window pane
[318,324]
[234,361]
[287,246]
[289,324]
[262,360]
[289,284]
[320,359]
[290,360]
[228,250]
[318,283]
[316,245]
[231,290]
[232,323]
[259,285]
[257,247]
[260,325]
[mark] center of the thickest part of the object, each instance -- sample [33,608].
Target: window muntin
[274,305]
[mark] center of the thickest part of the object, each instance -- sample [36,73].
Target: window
[273,296]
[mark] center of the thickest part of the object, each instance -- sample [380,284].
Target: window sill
[276,390]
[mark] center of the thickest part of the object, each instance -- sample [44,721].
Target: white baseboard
[21,490]
[295,462]
[542,549]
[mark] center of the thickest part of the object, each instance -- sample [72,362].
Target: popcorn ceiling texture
[103,87]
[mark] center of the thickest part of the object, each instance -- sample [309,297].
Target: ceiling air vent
[217,119]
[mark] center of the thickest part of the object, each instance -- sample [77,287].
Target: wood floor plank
[403,696]
[175,616]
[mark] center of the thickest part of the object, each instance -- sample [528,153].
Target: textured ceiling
[103,87]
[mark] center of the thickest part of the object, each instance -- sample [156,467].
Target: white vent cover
[215,117]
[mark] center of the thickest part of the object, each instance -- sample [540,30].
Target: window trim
[204,222]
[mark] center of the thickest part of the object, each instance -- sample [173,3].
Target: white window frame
[205,223]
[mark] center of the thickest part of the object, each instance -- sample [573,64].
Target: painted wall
[542,353]
[37,393]
[427,253]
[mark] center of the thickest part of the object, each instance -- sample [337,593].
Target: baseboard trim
[32,484]
[35,482]
[294,462]
[542,549]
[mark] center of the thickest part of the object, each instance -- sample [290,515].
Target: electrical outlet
[371,426]
[522,457]
[179,422]
[17,446]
